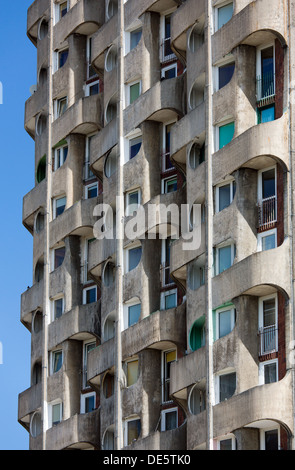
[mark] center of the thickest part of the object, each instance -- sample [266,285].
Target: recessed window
[89,295]
[54,413]
[108,385]
[224,257]
[225,386]
[224,14]
[60,106]
[132,201]
[225,73]
[112,8]
[196,274]
[60,156]
[109,439]
[196,155]
[225,321]
[133,38]
[267,240]
[111,59]
[58,256]
[266,114]
[132,372]
[109,274]
[41,169]
[36,424]
[57,308]
[132,313]
[111,163]
[133,92]
[109,327]
[132,429]
[268,372]
[197,401]
[133,256]
[270,439]
[225,133]
[225,194]
[87,347]
[268,320]
[166,52]
[169,299]
[168,357]
[265,71]
[88,402]
[56,361]
[40,124]
[169,185]
[197,335]
[91,190]
[169,419]
[169,72]
[228,443]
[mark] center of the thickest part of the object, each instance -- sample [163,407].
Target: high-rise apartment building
[141,342]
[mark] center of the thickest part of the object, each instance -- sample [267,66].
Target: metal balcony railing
[268,339]
[265,88]
[267,213]
[166,53]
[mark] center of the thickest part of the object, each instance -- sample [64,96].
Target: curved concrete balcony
[61,80]
[105,37]
[85,17]
[83,117]
[159,330]
[173,440]
[254,275]
[186,371]
[160,103]
[31,300]
[77,432]
[32,202]
[99,252]
[28,402]
[196,184]
[104,141]
[246,27]
[196,67]
[264,402]
[81,321]
[188,129]
[253,148]
[33,106]
[36,11]
[184,18]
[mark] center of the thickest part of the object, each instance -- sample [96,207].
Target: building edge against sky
[142,344]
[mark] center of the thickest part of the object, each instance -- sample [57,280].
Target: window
[225,321]
[166,162]
[169,299]
[59,59]
[169,419]
[265,71]
[225,194]
[56,361]
[89,295]
[225,134]
[133,256]
[133,92]
[87,347]
[225,73]
[36,424]
[169,72]
[59,205]
[268,319]
[223,14]
[60,11]
[90,71]
[267,198]
[196,155]
[60,156]
[88,402]
[132,429]
[57,308]
[92,88]
[168,357]
[60,106]
[132,38]
[196,277]
[112,8]
[132,201]
[197,401]
[111,59]
[134,146]
[108,385]
[87,172]
[270,439]
[268,372]
[54,413]
[132,311]
[85,278]
[166,52]
[266,114]
[197,335]
[91,190]
[267,240]
[41,170]
[225,386]
[228,443]
[58,257]
[109,439]
[132,372]
[224,257]
[169,185]
[165,261]
[111,163]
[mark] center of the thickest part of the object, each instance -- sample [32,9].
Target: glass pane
[269,312]
[60,206]
[268,183]
[56,414]
[135,37]
[271,440]
[224,14]
[134,92]
[134,257]
[89,404]
[63,57]
[267,114]
[225,74]
[226,134]
[270,373]
[59,255]
[170,420]
[268,242]
[58,308]
[170,73]
[135,145]
[92,191]
[171,186]
[224,196]
[94,89]
[133,431]
[132,373]
[170,301]
[133,201]
[227,386]
[224,323]
[226,444]
[195,401]
[91,295]
[133,314]
[57,361]
[224,255]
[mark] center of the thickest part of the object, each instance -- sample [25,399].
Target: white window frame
[127,91]
[165,181]
[56,105]
[260,313]
[129,361]
[125,428]
[52,257]
[133,135]
[50,410]
[260,172]
[228,437]
[163,417]
[56,12]
[265,234]
[90,85]
[90,186]
[83,401]
[166,294]
[60,160]
[217,248]
[128,206]
[261,370]
[259,49]
[130,303]
[169,67]
[162,34]
[217,383]
[127,36]
[232,319]
[54,201]
[163,372]
[216,133]
[262,436]
[85,290]
[126,255]
[229,59]
[225,183]
[55,61]
[52,354]
[84,364]
[53,300]
[216,8]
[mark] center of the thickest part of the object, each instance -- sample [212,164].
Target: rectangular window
[56,413]
[61,105]
[132,431]
[225,321]
[59,256]
[86,350]
[134,314]
[132,201]
[88,402]
[62,57]
[56,361]
[268,317]
[169,72]
[134,91]
[91,191]
[169,185]
[267,240]
[225,194]
[266,114]
[59,205]
[134,146]
[133,257]
[268,372]
[58,308]
[225,73]
[60,156]
[90,295]
[168,358]
[224,14]
[227,386]
[169,419]
[135,37]
[132,372]
[225,134]
[272,440]
[224,258]
[63,9]
[227,444]
[265,70]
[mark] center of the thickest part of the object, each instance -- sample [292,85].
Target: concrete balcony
[247,26]
[77,432]
[31,300]
[83,117]
[184,18]
[28,402]
[32,202]
[36,11]
[85,17]
[33,106]
[104,141]
[173,440]
[158,330]
[99,252]
[186,371]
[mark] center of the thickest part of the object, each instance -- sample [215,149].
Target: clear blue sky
[17,74]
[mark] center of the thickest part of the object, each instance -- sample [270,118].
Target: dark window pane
[268,183]
[271,440]
[92,192]
[226,444]
[224,196]
[270,373]
[225,74]
[58,308]
[135,37]
[133,314]
[91,295]
[89,404]
[227,386]
[134,257]
[170,420]
[63,58]
[59,255]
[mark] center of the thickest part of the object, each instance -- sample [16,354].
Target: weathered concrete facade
[191,103]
